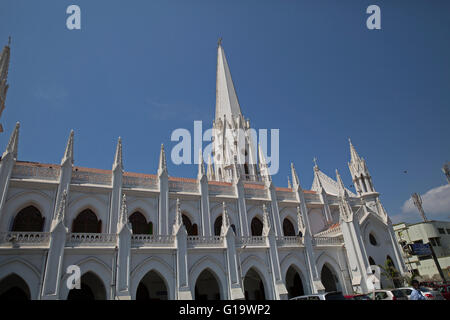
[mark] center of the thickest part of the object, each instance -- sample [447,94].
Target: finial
[316,166]
[9,41]
[219,42]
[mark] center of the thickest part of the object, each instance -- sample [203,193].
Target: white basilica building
[230,233]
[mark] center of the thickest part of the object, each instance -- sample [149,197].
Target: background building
[437,233]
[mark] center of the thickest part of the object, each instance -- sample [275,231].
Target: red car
[444,289]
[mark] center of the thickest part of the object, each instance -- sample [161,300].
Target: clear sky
[140,69]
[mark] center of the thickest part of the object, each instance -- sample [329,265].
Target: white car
[388,294]
[428,293]
[322,296]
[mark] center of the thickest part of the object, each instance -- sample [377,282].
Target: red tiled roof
[182,179]
[220,183]
[140,175]
[254,186]
[283,189]
[82,169]
[37,164]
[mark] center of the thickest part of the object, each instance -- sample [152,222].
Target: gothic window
[139,224]
[28,219]
[288,228]
[247,172]
[87,222]
[218,225]
[257,227]
[192,229]
[373,240]
[371,261]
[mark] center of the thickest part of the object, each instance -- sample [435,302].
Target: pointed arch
[25,270]
[216,269]
[87,222]
[29,219]
[162,268]
[288,227]
[14,288]
[256,226]
[261,268]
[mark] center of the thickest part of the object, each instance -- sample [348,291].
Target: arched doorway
[256,227]
[14,288]
[288,228]
[329,279]
[207,287]
[87,222]
[28,219]
[253,286]
[92,288]
[294,284]
[139,224]
[191,229]
[152,287]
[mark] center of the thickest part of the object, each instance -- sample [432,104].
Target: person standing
[416,294]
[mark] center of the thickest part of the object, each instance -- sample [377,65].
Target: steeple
[295,180]
[162,161]
[4,67]
[118,163]
[13,143]
[359,171]
[342,190]
[68,153]
[227,103]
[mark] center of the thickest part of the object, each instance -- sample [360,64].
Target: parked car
[444,289]
[428,293]
[357,297]
[335,295]
[388,294]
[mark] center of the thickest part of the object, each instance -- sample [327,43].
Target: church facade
[230,233]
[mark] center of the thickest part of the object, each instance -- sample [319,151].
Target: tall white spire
[227,103]
[4,67]
[13,144]
[211,175]
[68,153]
[162,161]
[118,162]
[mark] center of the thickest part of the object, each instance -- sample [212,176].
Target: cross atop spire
[219,41]
[316,166]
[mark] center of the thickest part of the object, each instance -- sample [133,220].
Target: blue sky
[140,69]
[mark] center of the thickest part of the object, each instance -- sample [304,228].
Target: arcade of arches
[191,229]
[329,279]
[294,284]
[256,227]
[28,219]
[152,287]
[207,287]
[92,288]
[253,286]
[139,224]
[87,222]
[14,287]
[288,228]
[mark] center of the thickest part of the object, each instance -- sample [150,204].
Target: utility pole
[418,203]
[446,171]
